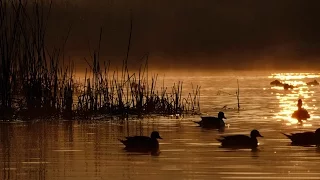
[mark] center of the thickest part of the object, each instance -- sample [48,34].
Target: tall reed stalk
[36,82]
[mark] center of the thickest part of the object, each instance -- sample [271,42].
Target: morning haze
[202,34]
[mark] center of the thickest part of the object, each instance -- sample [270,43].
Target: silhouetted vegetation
[37,82]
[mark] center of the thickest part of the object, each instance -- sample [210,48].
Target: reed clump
[105,93]
[38,83]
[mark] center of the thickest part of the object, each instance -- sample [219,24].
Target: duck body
[313,83]
[142,143]
[300,114]
[287,86]
[276,83]
[304,138]
[212,122]
[240,141]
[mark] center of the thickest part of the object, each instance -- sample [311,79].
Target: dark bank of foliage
[37,83]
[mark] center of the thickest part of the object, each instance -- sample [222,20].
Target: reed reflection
[288,98]
[5,148]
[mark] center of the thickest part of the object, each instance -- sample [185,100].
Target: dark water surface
[84,150]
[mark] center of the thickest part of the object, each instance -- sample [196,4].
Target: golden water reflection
[288,98]
[294,76]
[81,150]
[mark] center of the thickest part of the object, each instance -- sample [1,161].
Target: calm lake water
[83,150]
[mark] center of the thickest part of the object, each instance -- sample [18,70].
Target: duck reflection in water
[304,138]
[301,113]
[212,122]
[241,141]
[142,143]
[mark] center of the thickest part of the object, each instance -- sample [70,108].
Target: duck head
[155,135]
[255,133]
[221,115]
[299,103]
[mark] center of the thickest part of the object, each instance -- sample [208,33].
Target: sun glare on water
[288,98]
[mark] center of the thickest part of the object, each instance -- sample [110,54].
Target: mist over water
[182,34]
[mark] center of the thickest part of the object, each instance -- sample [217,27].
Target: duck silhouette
[288,86]
[276,83]
[212,122]
[240,141]
[301,113]
[313,83]
[304,138]
[142,143]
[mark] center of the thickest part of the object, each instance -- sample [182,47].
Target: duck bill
[260,135]
[159,137]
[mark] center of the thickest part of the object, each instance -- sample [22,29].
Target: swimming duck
[304,138]
[241,141]
[276,83]
[313,83]
[142,143]
[287,86]
[212,122]
[301,113]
